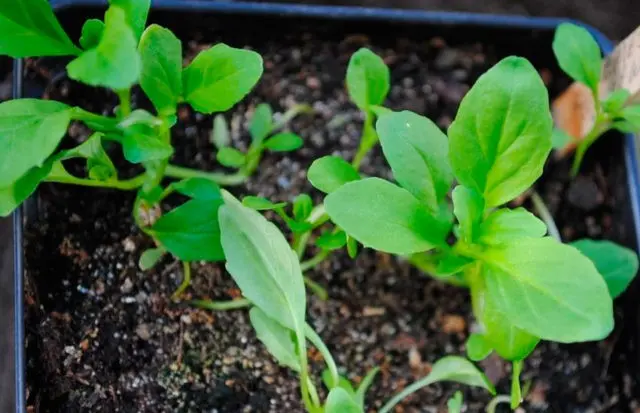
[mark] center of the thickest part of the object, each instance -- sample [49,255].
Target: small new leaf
[468,207]
[220,77]
[507,225]
[231,157]
[220,133]
[283,142]
[454,404]
[578,54]
[302,207]
[91,33]
[367,79]
[277,338]
[618,265]
[615,101]
[330,241]
[261,204]
[261,123]
[478,348]
[136,12]
[150,258]
[340,401]
[331,172]
[139,144]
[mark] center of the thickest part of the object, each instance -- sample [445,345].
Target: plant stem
[292,113]
[182,172]
[312,262]
[316,288]
[222,305]
[305,381]
[125,185]
[601,125]
[125,102]
[545,214]
[516,391]
[493,404]
[313,392]
[186,279]
[367,140]
[95,121]
[315,339]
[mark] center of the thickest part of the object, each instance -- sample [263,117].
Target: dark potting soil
[104,336]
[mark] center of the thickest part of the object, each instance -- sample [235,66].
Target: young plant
[263,128]
[525,286]
[578,54]
[268,272]
[118,53]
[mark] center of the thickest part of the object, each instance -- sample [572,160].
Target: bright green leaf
[340,401]
[30,29]
[261,204]
[30,130]
[330,241]
[263,264]
[220,77]
[631,117]
[468,207]
[615,101]
[331,172]
[136,12]
[220,133]
[450,263]
[365,384]
[367,79]
[418,153]
[139,145]
[454,404]
[231,157]
[91,33]
[383,216]
[13,195]
[478,348]
[548,289]
[449,368]
[277,338]
[198,188]
[283,142]
[161,77]
[578,54]
[343,382]
[99,165]
[114,62]
[150,258]
[191,231]
[501,136]
[560,138]
[261,123]
[507,225]
[352,247]
[302,206]
[618,265]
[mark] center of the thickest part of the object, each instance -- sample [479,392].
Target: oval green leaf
[150,258]
[340,401]
[198,188]
[508,225]
[578,54]
[283,142]
[276,338]
[261,204]
[331,172]
[91,34]
[230,157]
[261,123]
[367,79]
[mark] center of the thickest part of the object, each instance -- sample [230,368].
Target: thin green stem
[125,102]
[125,185]
[186,279]
[222,305]
[545,214]
[367,140]
[601,125]
[181,172]
[316,340]
[292,113]
[317,289]
[312,262]
[95,121]
[305,380]
[516,391]
[313,392]
[493,404]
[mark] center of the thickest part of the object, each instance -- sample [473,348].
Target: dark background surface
[615,18]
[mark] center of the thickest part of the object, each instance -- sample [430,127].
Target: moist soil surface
[104,336]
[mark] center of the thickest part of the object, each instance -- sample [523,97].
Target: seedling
[525,286]
[118,53]
[578,54]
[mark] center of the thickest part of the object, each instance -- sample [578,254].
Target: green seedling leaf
[261,204]
[331,172]
[263,264]
[507,225]
[449,368]
[615,101]
[140,117]
[468,207]
[297,226]
[330,241]
[343,382]
[340,401]
[30,130]
[277,338]
[418,153]
[578,54]
[450,263]
[383,216]
[261,123]
[150,258]
[631,117]
[618,265]
[198,188]
[501,135]
[136,12]
[560,138]
[532,281]
[283,142]
[454,404]
[365,384]
[231,157]
[13,195]
[367,79]
[220,133]
[92,31]
[352,247]
[99,165]
[161,76]
[380,110]
[302,206]
[191,231]
[114,62]
[31,29]
[139,145]
[478,348]
[220,77]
